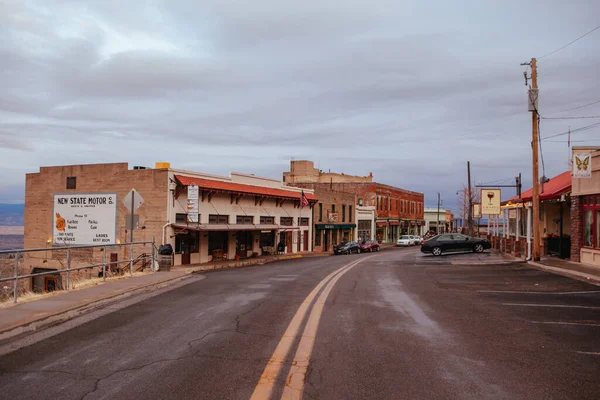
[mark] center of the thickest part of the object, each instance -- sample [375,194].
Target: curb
[59,317]
[241,264]
[580,276]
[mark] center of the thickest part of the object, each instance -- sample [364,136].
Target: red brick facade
[576,228]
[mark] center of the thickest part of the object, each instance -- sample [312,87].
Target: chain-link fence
[64,268]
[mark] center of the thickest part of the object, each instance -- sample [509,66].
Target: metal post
[104,265]
[68,268]
[16,277]
[131,259]
[153,259]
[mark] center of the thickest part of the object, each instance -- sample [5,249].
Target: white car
[405,240]
[418,240]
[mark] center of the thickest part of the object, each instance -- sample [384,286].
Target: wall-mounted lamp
[118,241]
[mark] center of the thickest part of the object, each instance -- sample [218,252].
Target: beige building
[237,216]
[304,171]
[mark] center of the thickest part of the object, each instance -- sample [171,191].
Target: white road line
[591,353]
[517,292]
[549,305]
[564,323]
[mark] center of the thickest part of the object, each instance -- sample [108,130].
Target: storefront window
[187,243]
[588,225]
[598,229]
[318,235]
[286,221]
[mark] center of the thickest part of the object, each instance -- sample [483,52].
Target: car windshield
[404,237]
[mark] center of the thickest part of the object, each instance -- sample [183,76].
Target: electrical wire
[541,151]
[570,43]
[583,128]
[592,117]
[574,108]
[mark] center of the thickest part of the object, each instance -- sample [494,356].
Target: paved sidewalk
[583,272]
[48,311]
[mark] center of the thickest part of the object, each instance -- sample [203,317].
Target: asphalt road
[397,325]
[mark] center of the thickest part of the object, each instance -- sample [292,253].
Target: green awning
[335,226]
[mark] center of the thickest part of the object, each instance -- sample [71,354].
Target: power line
[570,43]
[583,128]
[594,116]
[575,108]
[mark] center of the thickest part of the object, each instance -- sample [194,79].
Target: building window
[71,182]
[318,234]
[267,220]
[320,212]
[244,220]
[286,221]
[343,213]
[333,208]
[187,243]
[591,221]
[350,213]
[180,218]
[390,205]
[302,221]
[218,219]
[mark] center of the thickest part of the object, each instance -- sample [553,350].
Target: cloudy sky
[408,90]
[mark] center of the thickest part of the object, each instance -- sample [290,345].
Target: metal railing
[68,249]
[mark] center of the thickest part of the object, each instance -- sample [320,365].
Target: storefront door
[288,241]
[305,241]
[326,234]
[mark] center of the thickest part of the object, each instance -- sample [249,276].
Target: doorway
[326,240]
[288,241]
[305,237]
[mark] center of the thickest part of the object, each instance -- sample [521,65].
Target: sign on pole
[490,202]
[192,203]
[136,198]
[476,210]
[84,219]
[582,165]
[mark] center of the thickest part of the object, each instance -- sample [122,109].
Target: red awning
[394,222]
[382,223]
[553,189]
[242,188]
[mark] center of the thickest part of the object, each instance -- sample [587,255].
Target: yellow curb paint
[294,387]
[264,387]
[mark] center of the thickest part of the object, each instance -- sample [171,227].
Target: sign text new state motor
[85,200]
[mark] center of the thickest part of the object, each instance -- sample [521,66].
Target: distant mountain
[12,214]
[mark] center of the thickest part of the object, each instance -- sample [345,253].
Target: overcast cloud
[408,90]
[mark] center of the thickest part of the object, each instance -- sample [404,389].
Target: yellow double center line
[294,387]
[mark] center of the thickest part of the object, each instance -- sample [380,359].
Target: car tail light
[423,242]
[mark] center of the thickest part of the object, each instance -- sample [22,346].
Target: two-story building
[397,211]
[203,217]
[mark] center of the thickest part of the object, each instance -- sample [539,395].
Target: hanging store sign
[582,165]
[512,213]
[490,201]
[476,210]
[84,219]
[192,203]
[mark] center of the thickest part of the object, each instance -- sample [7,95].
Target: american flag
[303,200]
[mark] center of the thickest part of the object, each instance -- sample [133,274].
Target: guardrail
[18,255]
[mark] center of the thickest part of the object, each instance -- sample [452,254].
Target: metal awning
[229,227]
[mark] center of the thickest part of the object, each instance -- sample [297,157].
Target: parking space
[561,308]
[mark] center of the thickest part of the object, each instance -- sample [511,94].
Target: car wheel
[437,251]
[478,248]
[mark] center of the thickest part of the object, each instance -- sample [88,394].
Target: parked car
[369,246]
[405,240]
[418,240]
[450,242]
[347,248]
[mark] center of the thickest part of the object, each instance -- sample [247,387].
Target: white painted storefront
[238,217]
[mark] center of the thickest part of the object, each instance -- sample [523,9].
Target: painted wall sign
[582,165]
[192,203]
[490,201]
[84,219]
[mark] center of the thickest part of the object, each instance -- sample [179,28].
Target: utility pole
[534,148]
[437,226]
[464,218]
[470,200]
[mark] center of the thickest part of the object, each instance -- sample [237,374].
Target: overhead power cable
[574,108]
[570,43]
[581,129]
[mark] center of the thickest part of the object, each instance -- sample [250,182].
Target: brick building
[233,216]
[334,218]
[585,206]
[397,211]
